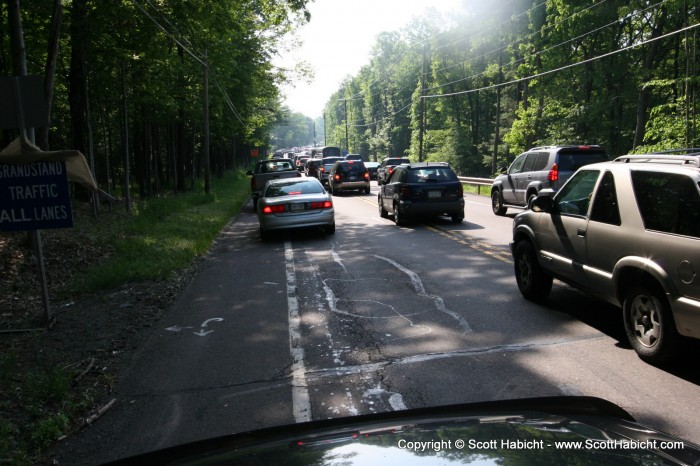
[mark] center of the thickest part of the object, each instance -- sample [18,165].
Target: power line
[572,65]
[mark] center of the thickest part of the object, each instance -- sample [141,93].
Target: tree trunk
[644,96]
[50,68]
[76,76]
[19,58]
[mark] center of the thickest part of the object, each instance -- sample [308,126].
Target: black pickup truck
[266,170]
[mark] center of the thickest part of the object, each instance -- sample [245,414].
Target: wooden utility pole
[496,139]
[421,131]
[206,123]
[347,141]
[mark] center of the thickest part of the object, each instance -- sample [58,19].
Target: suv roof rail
[567,146]
[427,164]
[663,157]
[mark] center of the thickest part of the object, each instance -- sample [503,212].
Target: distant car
[372,169]
[325,168]
[627,232]
[353,157]
[540,168]
[387,167]
[311,167]
[300,162]
[348,175]
[422,189]
[295,203]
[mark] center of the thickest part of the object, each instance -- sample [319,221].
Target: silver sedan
[295,203]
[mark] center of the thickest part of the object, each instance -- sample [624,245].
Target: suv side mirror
[543,201]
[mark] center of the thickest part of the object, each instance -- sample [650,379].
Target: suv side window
[541,162]
[668,202]
[529,164]
[605,207]
[575,196]
[517,166]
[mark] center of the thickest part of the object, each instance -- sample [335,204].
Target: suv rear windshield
[431,175]
[572,159]
[394,162]
[355,167]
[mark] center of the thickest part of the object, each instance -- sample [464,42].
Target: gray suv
[540,168]
[628,232]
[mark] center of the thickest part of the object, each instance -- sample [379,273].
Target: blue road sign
[34,196]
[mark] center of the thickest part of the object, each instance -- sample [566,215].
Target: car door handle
[581,232]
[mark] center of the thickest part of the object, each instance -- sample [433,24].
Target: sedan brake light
[273,209]
[322,205]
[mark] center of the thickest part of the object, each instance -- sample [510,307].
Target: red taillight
[336,177]
[322,205]
[367,176]
[391,170]
[460,190]
[553,173]
[252,183]
[273,209]
[323,169]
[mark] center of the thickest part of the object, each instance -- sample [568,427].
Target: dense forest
[127,80]
[477,90]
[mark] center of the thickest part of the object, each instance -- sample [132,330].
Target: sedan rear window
[292,188]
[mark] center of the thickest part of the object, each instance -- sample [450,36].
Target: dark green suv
[627,232]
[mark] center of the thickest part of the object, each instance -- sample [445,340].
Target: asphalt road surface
[373,318]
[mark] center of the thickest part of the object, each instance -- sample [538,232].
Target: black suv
[539,168]
[348,175]
[387,167]
[422,189]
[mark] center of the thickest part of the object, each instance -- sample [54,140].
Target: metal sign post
[36,115]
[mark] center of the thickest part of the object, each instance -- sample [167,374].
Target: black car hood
[557,431]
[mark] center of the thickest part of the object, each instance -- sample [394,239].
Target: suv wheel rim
[645,319]
[525,269]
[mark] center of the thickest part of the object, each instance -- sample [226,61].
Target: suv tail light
[405,192]
[336,177]
[460,190]
[553,174]
[390,170]
[252,183]
[366,175]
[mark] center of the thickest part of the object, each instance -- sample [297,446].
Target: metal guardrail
[479,182]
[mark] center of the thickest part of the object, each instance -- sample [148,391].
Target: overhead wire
[203,60]
[562,68]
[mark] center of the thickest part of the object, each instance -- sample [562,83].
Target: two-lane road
[373,318]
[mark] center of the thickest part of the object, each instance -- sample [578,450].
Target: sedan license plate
[297,207]
[434,194]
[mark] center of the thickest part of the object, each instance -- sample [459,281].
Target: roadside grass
[164,234]
[40,401]
[474,189]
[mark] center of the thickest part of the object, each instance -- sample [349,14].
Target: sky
[337,43]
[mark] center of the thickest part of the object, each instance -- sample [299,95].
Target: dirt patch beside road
[87,344]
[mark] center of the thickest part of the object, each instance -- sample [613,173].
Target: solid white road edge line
[300,391]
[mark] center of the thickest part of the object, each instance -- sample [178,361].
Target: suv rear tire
[533,282]
[497,203]
[649,324]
